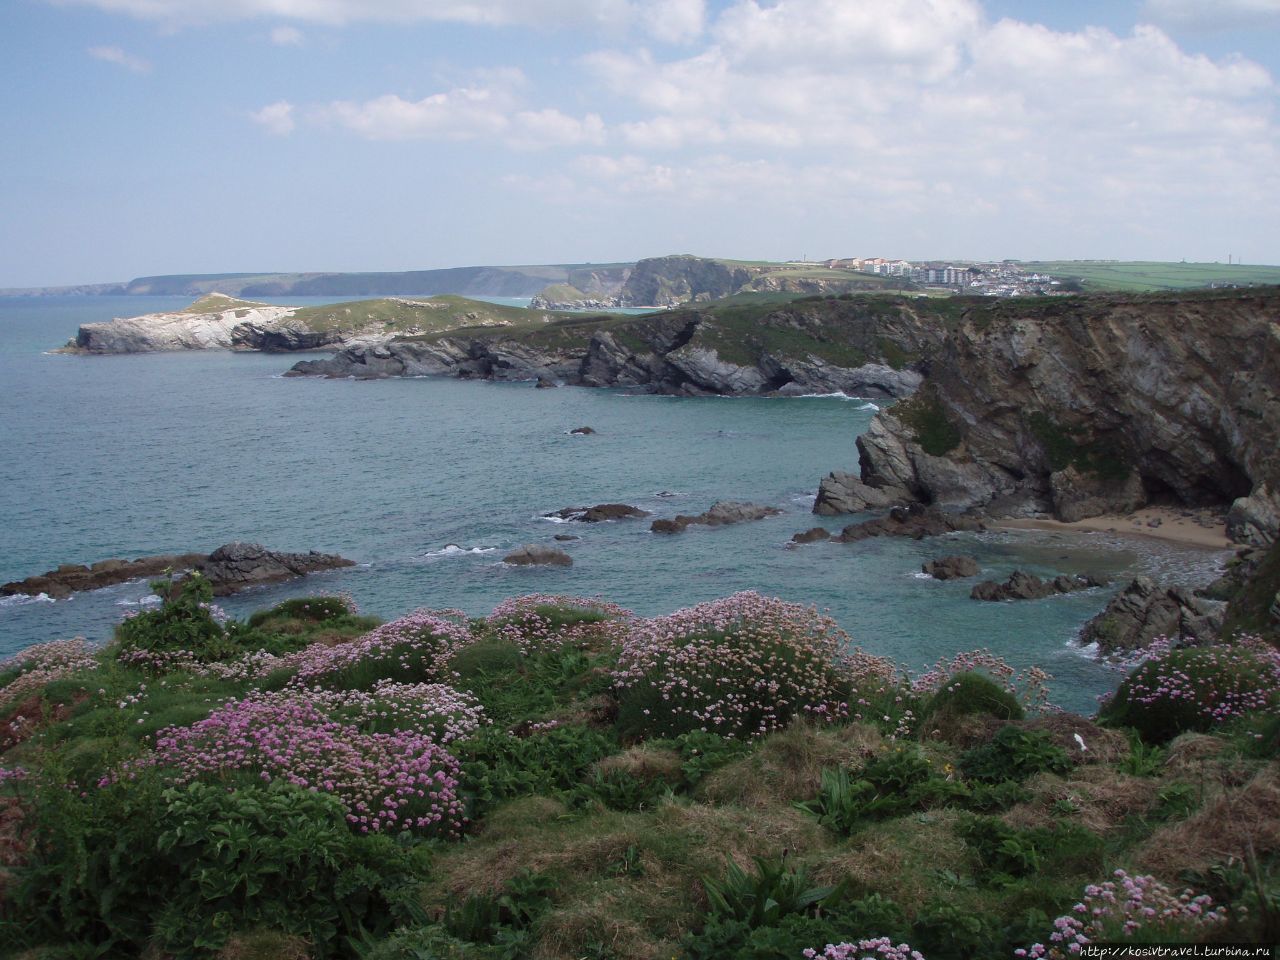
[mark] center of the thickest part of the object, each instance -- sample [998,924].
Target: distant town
[1003,279]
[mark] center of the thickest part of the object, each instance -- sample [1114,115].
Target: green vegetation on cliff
[1145,276]
[562,779]
[417,316]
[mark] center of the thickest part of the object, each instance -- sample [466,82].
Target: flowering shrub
[881,948]
[416,647]
[1127,906]
[384,781]
[30,669]
[740,667]
[1029,686]
[1197,688]
[539,622]
[435,709]
[185,628]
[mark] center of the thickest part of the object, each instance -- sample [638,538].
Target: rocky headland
[232,567]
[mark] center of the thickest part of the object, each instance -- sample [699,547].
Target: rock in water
[599,513]
[722,512]
[1144,611]
[916,522]
[1027,586]
[533,553]
[237,565]
[846,493]
[582,431]
[812,535]
[951,568]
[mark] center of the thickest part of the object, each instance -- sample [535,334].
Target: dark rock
[1027,586]
[951,568]
[600,513]
[533,553]
[915,522]
[1144,611]
[812,535]
[237,565]
[722,513]
[229,568]
[545,383]
[565,537]
[582,430]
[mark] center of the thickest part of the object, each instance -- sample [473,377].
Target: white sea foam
[552,518]
[21,599]
[453,550]
[918,575]
[868,405]
[147,601]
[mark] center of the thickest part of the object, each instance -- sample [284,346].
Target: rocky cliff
[209,323]
[1081,406]
[868,345]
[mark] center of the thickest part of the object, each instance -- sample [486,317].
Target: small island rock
[533,553]
[952,568]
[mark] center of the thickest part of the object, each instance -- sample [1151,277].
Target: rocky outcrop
[534,554]
[812,535]
[1027,586]
[599,513]
[1143,611]
[232,567]
[1079,406]
[916,522]
[665,281]
[722,512]
[951,568]
[208,324]
[846,493]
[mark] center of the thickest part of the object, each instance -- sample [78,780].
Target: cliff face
[208,324]
[1087,405]
[665,281]
[865,346]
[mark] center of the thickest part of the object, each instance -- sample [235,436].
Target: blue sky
[175,136]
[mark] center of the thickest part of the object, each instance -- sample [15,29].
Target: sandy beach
[1191,527]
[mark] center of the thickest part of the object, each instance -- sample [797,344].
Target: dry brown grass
[787,766]
[647,764]
[264,945]
[1201,758]
[1102,745]
[1102,797]
[1227,826]
[963,731]
[899,858]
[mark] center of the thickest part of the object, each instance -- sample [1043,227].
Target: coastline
[1200,528]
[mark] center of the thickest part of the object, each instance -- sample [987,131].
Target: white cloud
[1216,15]
[120,58]
[667,20]
[275,117]
[489,111]
[286,36]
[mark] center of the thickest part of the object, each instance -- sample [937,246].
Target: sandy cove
[1186,526]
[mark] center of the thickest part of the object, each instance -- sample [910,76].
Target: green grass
[1147,276]
[562,293]
[425,316]
[217,302]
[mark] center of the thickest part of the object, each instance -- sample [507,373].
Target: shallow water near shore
[427,483]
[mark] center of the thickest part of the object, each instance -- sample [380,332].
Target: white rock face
[184,330]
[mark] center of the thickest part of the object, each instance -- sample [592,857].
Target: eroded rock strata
[1082,406]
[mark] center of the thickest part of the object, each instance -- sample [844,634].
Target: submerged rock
[538,554]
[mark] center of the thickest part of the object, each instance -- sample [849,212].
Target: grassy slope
[626,869]
[1143,276]
[429,315]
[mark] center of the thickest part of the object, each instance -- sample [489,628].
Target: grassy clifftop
[561,779]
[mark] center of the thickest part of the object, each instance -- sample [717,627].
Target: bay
[427,483]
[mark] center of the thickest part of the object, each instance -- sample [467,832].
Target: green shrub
[949,931]
[967,694]
[486,658]
[309,609]
[1007,852]
[183,626]
[1014,754]
[764,897]
[929,423]
[127,865]
[503,921]
[498,766]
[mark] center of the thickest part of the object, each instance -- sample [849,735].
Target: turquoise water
[135,455]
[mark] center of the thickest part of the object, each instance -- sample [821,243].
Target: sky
[146,137]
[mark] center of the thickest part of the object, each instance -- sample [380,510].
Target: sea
[427,483]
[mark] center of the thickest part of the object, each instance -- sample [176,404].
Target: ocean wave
[453,550]
[868,405]
[148,601]
[552,518]
[21,599]
[918,575]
